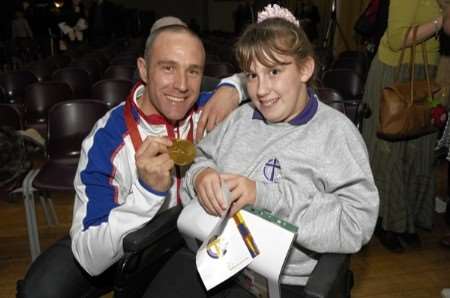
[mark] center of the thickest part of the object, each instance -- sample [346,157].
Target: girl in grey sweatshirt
[286,152]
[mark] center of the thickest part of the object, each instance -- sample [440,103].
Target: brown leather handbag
[405,108]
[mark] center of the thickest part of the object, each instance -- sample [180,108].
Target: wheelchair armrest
[160,226]
[145,251]
[329,277]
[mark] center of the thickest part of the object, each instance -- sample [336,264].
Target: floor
[416,273]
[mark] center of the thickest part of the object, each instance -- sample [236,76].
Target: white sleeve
[108,203]
[238,81]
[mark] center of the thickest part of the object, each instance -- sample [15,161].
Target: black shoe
[390,241]
[411,240]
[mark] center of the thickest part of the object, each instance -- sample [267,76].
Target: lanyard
[137,140]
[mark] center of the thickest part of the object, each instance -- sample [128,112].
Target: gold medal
[182,152]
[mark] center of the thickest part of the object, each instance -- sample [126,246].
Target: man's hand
[243,191]
[208,187]
[222,103]
[154,164]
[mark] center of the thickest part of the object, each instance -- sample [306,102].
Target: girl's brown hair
[261,41]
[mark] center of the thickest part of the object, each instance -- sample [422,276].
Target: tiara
[276,11]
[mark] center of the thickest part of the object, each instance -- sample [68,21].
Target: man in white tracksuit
[125,175]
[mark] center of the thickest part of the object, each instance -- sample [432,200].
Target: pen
[245,233]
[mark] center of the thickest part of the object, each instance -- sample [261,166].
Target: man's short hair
[168,28]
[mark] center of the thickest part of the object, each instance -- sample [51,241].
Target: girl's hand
[208,187]
[243,191]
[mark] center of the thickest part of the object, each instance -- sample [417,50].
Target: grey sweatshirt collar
[304,116]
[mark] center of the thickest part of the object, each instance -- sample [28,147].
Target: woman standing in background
[403,169]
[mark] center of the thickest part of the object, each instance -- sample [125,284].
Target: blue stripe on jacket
[203,98]
[99,169]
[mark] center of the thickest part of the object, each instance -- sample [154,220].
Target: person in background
[403,169]
[73,22]
[22,38]
[443,79]
[285,152]
[20,27]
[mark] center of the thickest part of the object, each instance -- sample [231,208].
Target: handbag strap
[427,74]
[402,54]
[404,47]
[412,63]
[412,66]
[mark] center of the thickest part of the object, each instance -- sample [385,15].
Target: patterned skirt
[403,170]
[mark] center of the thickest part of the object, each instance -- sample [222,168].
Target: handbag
[405,107]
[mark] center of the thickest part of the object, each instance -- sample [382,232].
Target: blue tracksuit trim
[99,169]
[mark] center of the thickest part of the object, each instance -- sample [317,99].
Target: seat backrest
[77,78]
[212,58]
[332,98]
[129,59]
[351,108]
[60,60]
[324,58]
[356,65]
[69,122]
[355,110]
[111,91]
[219,70]
[347,82]
[91,66]
[359,55]
[101,59]
[122,72]
[14,85]
[40,97]
[10,116]
[42,70]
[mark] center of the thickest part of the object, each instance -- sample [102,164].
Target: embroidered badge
[272,170]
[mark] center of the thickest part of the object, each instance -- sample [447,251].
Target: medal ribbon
[137,141]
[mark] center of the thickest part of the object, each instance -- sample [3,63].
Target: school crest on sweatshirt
[272,170]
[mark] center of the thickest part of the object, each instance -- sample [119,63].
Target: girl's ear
[307,69]
[142,66]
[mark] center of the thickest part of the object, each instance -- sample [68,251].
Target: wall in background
[218,14]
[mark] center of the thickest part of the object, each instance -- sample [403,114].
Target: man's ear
[142,67]
[307,69]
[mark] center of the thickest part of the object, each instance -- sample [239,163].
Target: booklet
[253,239]
[227,249]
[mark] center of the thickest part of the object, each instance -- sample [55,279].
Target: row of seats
[40,97]
[74,75]
[79,76]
